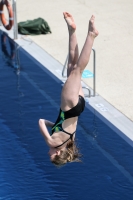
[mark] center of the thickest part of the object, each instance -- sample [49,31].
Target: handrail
[88,90]
[65,64]
[94,73]
[15,20]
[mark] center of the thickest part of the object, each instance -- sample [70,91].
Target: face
[53,152]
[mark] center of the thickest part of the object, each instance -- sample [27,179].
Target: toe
[92,18]
[66,14]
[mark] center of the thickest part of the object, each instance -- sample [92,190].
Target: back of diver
[63,115]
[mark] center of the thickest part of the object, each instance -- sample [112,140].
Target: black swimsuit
[63,115]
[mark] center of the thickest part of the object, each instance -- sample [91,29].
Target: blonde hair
[70,154]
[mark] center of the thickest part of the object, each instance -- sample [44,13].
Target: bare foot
[92,30]
[69,20]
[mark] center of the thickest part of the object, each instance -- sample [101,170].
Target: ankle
[71,32]
[92,34]
[71,29]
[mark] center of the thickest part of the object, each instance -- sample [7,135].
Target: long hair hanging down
[70,154]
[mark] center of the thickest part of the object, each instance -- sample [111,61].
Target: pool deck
[114,99]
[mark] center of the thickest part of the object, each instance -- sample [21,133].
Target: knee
[77,69]
[75,66]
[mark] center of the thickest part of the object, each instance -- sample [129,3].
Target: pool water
[27,93]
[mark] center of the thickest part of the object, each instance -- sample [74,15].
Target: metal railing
[14,5]
[94,74]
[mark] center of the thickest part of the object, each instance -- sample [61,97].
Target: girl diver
[62,148]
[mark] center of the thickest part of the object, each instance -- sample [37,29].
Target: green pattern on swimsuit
[62,115]
[58,127]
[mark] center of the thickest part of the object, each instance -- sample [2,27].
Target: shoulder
[57,138]
[55,141]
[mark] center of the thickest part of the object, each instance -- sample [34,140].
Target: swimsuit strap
[71,136]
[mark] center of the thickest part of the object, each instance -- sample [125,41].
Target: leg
[86,51]
[73,45]
[72,87]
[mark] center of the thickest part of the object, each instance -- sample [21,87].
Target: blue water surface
[27,93]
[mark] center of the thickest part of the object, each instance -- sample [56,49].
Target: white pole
[15,20]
